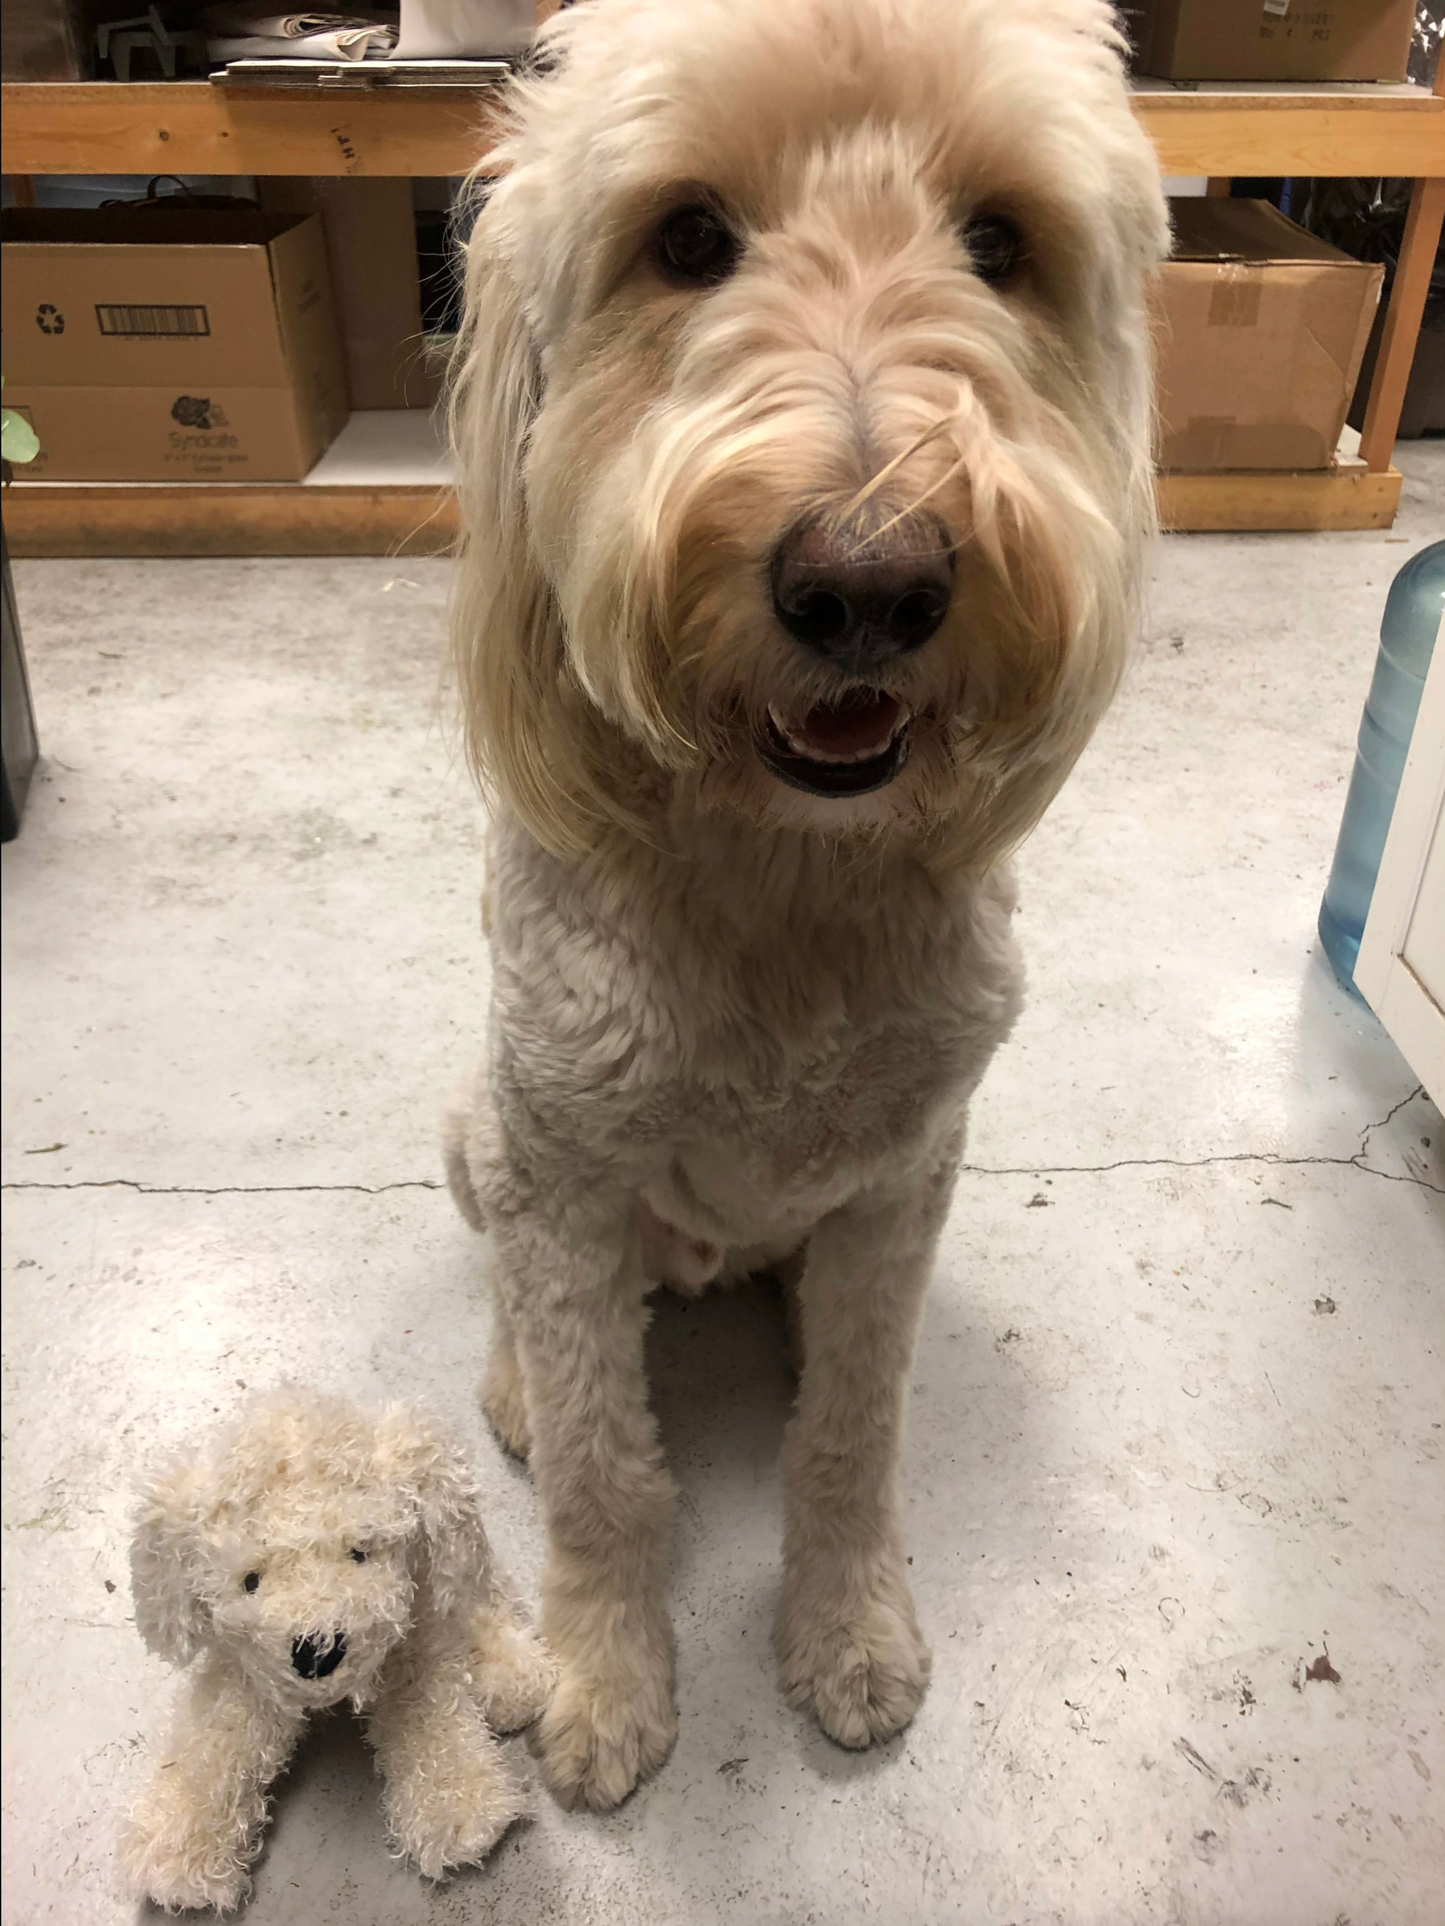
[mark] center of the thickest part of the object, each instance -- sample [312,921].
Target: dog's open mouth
[842,748]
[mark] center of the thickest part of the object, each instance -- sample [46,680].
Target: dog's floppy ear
[529,729]
[171,1614]
[415,1454]
[505,625]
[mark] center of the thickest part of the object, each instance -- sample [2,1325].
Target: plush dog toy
[315,1552]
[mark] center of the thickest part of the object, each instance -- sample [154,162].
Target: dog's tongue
[859,726]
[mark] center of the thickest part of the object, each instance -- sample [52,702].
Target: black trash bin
[17,715]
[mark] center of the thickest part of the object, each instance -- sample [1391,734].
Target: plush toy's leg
[449,1793]
[194,1830]
[513,1670]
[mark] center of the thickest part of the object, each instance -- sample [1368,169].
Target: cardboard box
[372,250]
[173,344]
[1271,39]
[1260,329]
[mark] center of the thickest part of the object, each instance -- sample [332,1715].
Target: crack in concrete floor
[1272,1158]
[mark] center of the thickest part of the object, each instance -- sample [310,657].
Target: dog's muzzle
[858,594]
[317,1656]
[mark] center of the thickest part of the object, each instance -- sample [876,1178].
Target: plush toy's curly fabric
[313,1552]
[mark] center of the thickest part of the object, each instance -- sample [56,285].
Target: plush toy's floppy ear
[456,1563]
[170,1613]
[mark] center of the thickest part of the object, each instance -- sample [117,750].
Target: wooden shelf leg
[22,186]
[1402,324]
[1218,187]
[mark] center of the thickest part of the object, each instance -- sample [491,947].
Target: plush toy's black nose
[316,1656]
[857,597]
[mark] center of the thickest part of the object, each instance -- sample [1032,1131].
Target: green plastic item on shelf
[18,440]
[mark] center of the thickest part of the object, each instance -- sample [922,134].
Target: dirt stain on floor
[1319,1671]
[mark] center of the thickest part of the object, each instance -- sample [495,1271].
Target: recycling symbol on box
[49,319]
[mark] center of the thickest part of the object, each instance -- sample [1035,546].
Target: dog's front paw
[861,1669]
[599,1736]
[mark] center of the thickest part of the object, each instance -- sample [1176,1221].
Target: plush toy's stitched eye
[251,1581]
[995,246]
[696,248]
[358,1554]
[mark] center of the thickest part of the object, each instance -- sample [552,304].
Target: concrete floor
[1176,1425]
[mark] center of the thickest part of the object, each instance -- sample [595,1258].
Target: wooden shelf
[258,518]
[1347,495]
[193,127]
[383,488]
[1242,129]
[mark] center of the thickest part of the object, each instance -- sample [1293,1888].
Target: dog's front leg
[849,1646]
[576,1304]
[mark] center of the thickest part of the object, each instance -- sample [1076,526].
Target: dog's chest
[745,1135]
[750,1059]
[754,1159]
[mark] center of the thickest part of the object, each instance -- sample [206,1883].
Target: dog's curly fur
[735,1021]
[311,1526]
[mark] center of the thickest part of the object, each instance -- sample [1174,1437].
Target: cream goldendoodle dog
[314,1552]
[803,422]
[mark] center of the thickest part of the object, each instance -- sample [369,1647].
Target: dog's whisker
[951,473]
[871,487]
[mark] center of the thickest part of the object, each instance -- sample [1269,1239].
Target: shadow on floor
[720,1379]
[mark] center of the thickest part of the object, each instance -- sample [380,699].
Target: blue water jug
[1407,641]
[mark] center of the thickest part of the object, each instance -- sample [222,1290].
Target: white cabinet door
[1401,971]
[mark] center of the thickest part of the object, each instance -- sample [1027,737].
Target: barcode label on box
[116,317]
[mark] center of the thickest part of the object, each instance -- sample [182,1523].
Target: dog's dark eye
[696,248]
[995,246]
[251,1581]
[358,1554]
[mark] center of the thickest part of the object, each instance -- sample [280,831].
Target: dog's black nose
[316,1656]
[861,592]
